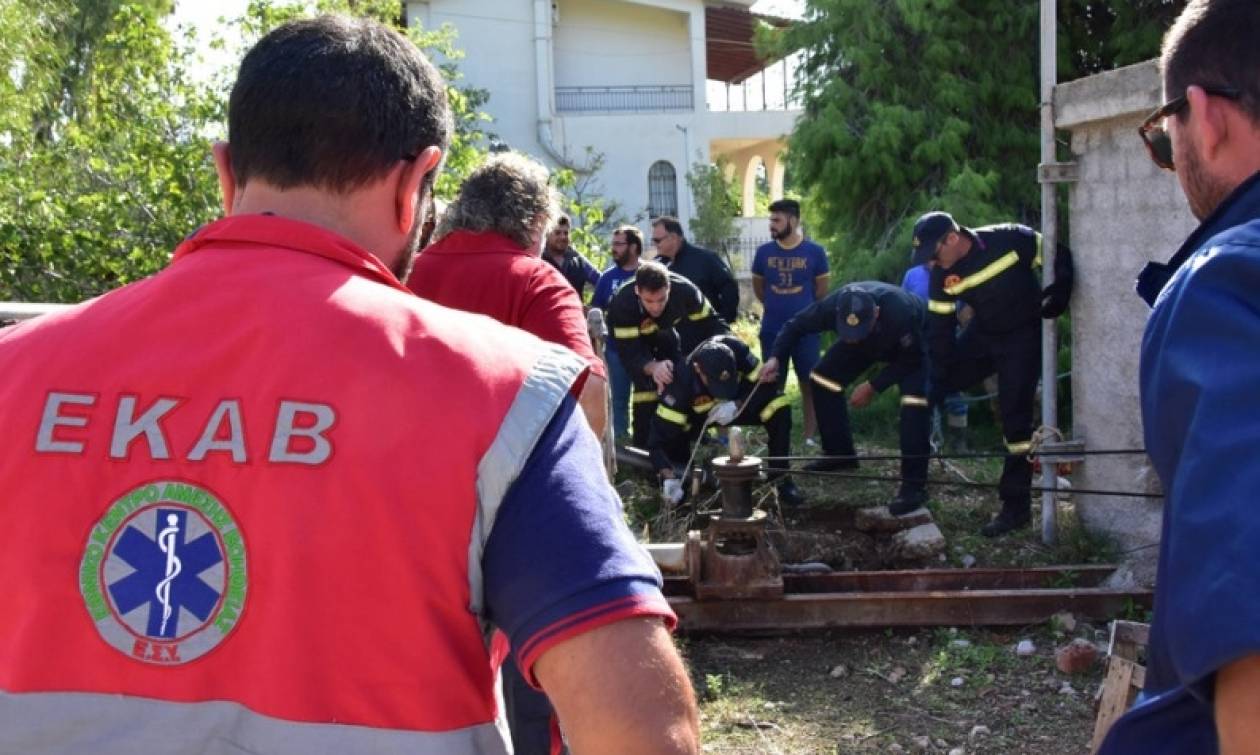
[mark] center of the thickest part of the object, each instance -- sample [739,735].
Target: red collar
[485,242]
[286,233]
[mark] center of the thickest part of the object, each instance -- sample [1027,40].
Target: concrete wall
[603,43]
[1124,212]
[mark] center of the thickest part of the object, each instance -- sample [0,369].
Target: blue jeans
[620,381]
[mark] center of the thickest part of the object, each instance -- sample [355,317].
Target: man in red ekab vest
[269,501]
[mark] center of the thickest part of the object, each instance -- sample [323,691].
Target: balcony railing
[624,99]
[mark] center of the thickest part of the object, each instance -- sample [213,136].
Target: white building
[652,85]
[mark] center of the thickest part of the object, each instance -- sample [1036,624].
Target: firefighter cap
[929,229]
[717,362]
[855,314]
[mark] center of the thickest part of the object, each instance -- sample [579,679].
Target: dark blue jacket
[1200,379]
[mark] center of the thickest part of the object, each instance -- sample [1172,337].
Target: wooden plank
[923,580]
[1131,633]
[892,609]
[926,580]
[1117,696]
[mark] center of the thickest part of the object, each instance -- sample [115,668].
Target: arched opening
[754,173]
[662,190]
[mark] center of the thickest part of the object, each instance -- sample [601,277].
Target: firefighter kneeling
[718,379]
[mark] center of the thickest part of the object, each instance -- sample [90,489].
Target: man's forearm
[1237,706]
[622,689]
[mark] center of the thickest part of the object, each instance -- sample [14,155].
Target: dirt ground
[941,690]
[866,692]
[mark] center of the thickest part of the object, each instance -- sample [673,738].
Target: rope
[986,485]
[1040,436]
[967,455]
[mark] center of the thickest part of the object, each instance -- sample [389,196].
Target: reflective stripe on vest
[535,404]
[914,401]
[88,722]
[941,307]
[670,415]
[985,275]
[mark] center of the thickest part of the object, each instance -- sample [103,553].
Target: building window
[662,190]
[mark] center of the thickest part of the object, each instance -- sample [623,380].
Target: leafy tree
[716,204]
[911,105]
[592,217]
[104,137]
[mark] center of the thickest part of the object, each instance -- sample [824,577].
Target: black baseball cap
[717,362]
[855,314]
[928,230]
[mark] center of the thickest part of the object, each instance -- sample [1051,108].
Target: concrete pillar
[1124,212]
[699,73]
[750,186]
[775,170]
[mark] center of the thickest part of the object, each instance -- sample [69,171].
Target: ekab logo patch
[163,574]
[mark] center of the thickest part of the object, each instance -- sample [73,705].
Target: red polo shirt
[488,274]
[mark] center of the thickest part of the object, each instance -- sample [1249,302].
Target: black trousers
[643,400]
[1016,358]
[838,368]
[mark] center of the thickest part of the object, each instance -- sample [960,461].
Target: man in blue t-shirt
[627,246]
[789,274]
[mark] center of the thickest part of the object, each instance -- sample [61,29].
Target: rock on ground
[1076,657]
[878,519]
[921,542]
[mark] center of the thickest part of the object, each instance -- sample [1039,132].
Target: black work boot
[832,465]
[1011,517]
[790,496]
[908,500]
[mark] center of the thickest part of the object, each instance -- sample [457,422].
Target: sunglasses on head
[1155,136]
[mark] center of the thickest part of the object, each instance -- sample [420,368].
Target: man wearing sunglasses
[1200,406]
[993,270]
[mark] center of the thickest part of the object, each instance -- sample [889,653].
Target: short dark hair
[561,219]
[333,102]
[1213,43]
[786,207]
[670,224]
[633,236]
[651,276]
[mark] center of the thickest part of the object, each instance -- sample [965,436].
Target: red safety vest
[246,498]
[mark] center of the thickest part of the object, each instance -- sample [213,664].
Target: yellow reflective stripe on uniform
[914,401]
[753,373]
[772,407]
[703,313]
[1037,259]
[1004,262]
[632,332]
[643,397]
[670,415]
[1022,447]
[830,385]
[648,329]
[702,408]
[941,307]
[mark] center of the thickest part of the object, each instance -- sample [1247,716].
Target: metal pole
[1049,236]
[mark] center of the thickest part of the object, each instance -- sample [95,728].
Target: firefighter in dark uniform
[719,380]
[994,270]
[875,323]
[643,318]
